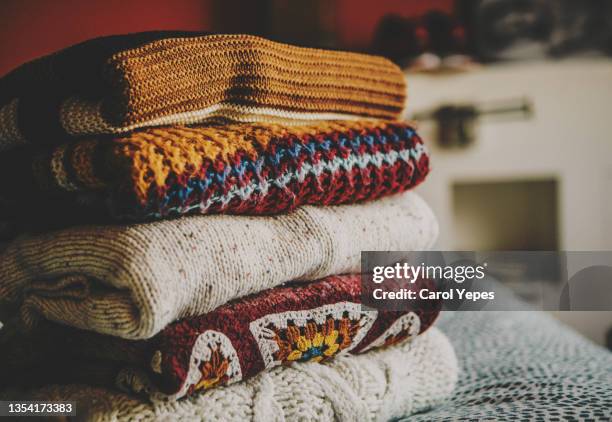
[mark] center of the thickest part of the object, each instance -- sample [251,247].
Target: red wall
[31,28]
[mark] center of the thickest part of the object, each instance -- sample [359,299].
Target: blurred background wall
[31,28]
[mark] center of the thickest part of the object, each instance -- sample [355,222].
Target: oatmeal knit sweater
[380,385]
[131,281]
[120,83]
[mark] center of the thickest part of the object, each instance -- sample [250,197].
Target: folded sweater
[381,385]
[131,281]
[120,83]
[280,326]
[239,169]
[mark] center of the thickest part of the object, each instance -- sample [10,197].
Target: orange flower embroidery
[214,371]
[314,342]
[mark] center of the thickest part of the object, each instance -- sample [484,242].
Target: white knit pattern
[377,386]
[131,281]
[84,117]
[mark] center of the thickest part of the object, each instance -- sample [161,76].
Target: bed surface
[523,366]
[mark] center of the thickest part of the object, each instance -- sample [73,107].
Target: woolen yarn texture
[381,385]
[311,322]
[133,280]
[121,83]
[236,169]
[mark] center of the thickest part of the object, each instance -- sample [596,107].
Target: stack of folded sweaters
[196,206]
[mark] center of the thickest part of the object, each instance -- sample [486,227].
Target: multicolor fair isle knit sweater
[120,83]
[280,326]
[238,169]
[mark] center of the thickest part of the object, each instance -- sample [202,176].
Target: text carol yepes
[426,294]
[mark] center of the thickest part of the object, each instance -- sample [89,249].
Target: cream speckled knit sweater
[377,386]
[131,281]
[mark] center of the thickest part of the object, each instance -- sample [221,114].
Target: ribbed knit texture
[381,385]
[118,84]
[314,322]
[131,281]
[238,169]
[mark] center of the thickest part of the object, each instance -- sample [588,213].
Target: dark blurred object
[581,25]
[434,41]
[456,123]
[504,29]
[253,17]
[396,38]
[445,36]
[520,29]
[8,229]
[309,24]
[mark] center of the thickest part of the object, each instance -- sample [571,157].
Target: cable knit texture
[280,326]
[121,83]
[131,281]
[238,169]
[381,385]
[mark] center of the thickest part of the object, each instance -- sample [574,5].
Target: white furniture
[567,141]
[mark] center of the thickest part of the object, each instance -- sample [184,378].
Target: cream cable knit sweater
[131,281]
[376,386]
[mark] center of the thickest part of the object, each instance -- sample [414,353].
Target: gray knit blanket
[523,366]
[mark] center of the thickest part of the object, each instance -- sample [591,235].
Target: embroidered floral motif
[311,335]
[314,342]
[214,371]
[213,362]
